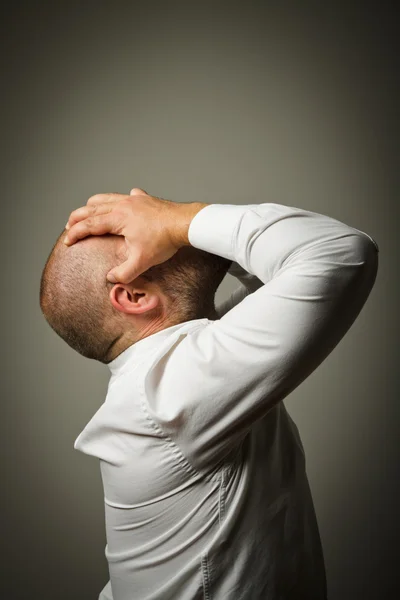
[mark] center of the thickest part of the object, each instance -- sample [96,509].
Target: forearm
[317,274]
[249,283]
[267,238]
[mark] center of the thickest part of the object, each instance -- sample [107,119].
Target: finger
[88,211]
[98,225]
[102,198]
[128,270]
[138,192]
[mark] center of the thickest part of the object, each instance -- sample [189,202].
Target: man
[206,493]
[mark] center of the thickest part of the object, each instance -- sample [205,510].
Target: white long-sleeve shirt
[206,494]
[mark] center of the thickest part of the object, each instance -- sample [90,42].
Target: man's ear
[132,300]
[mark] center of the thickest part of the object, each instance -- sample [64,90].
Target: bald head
[86,311]
[74,293]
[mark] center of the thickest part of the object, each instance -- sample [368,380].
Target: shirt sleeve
[304,279]
[248,283]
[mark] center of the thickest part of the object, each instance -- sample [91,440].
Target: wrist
[185,214]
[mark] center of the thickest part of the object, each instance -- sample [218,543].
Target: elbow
[364,248]
[365,253]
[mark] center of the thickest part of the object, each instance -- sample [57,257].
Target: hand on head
[127,236]
[151,226]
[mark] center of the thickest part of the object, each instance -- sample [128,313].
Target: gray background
[237,103]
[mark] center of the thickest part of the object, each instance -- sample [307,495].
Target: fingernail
[67,226]
[111,278]
[66,240]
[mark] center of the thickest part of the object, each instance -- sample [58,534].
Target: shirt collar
[143,346]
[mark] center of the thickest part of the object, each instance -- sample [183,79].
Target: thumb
[138,192]
[124,273]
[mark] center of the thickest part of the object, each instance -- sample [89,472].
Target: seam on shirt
[206,576]
[235,233]
[370,237]
[205,566]
[171,444]
[222,494]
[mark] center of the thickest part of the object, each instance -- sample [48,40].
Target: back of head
[190,279]
[74,291]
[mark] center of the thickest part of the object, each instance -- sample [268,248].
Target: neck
[139,332]
[129,337]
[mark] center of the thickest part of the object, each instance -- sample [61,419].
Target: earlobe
[131,300]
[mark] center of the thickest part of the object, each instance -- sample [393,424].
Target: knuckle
[74,213]
[138,192]
[81,212]
[94,199]
[119,213]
